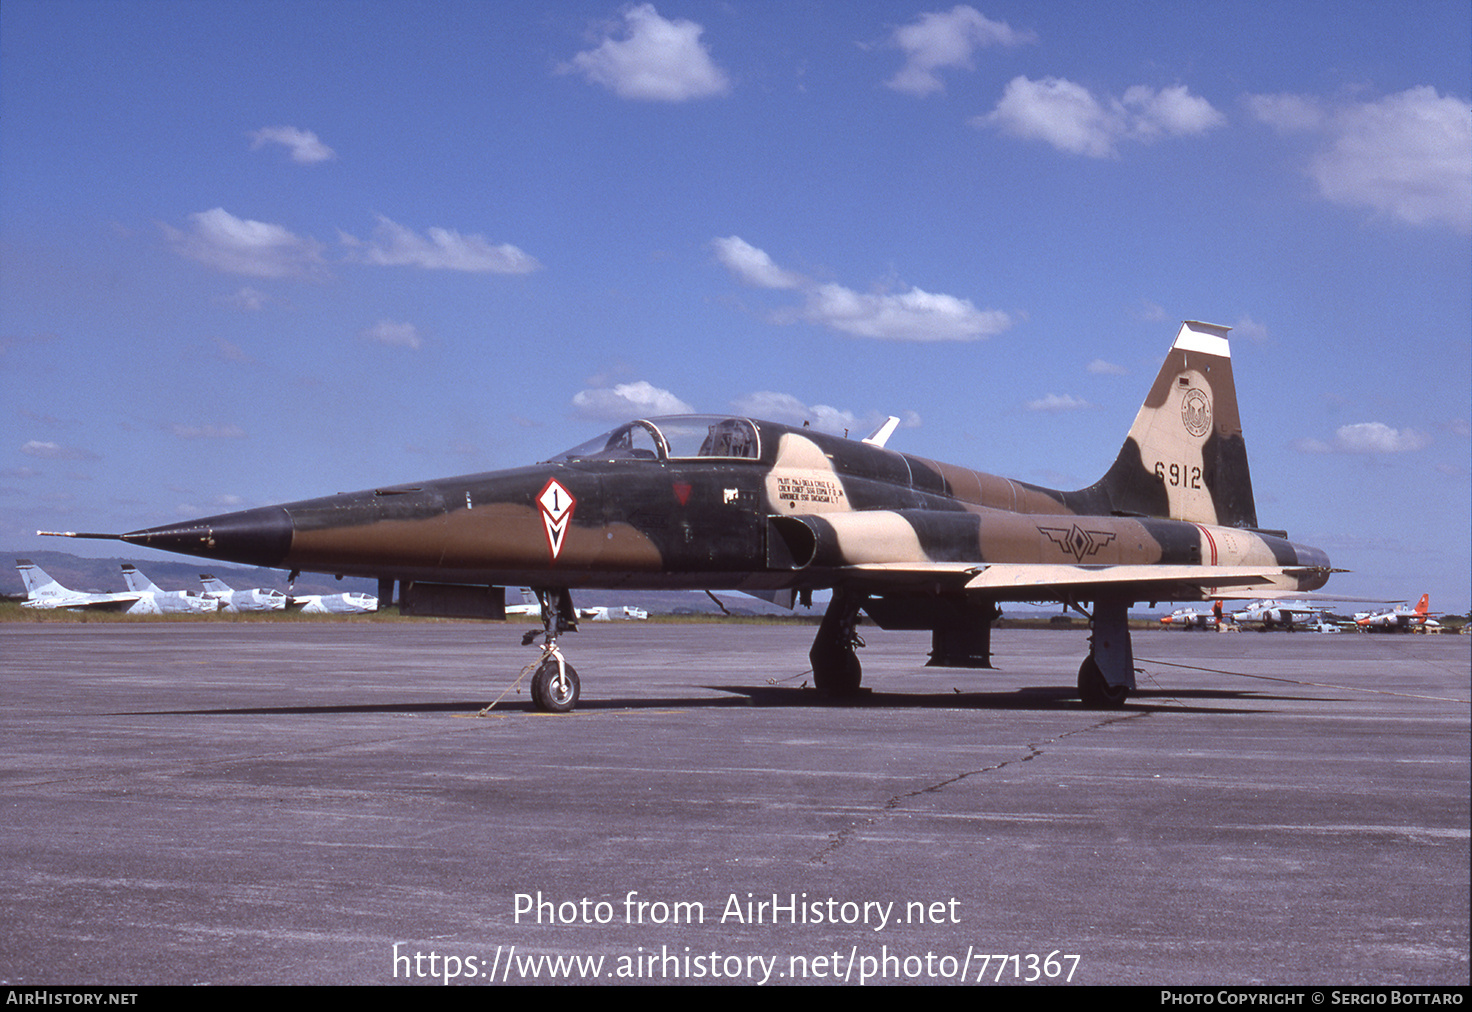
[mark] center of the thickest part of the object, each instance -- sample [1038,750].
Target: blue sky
[257,251]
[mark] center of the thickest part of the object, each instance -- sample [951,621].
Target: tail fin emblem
[1196,412]
[557,505]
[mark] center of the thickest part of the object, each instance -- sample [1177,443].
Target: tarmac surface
[243,803]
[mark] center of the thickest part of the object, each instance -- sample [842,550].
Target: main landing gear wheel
[555,686]
[837,671]
[1095,690]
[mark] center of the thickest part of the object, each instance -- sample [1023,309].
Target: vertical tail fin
[38,583]
[213,584]
[136,581]
[1184,458]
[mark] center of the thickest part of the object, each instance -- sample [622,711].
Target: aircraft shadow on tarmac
[1040,698]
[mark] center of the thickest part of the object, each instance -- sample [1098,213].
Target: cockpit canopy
[671,437]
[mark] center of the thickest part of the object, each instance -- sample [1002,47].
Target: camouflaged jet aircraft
[730,503]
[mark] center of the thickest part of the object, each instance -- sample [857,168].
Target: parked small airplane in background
[153,600]
[530,607]
[601,614]
[1399,618]
[257,599]
[334,604]
[43,592]
[719,502]
[1270,615]
[1194,618]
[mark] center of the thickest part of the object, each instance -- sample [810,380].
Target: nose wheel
[555,686]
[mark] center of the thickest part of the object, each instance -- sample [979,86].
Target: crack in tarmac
[837,841]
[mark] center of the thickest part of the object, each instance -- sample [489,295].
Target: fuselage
[710,502]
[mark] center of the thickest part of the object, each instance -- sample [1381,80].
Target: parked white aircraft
[256,599]
[1399,618]
[154,600]
[1192,618]
[529,606]
[609,614]
[334,604]
[1276,615]
[45,593]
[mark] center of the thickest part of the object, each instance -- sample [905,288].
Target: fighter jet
[1195,618]
[732,503]
[335,604]
[43,592]
[153,600]
[1398,619]
[1270,615]
[231,600]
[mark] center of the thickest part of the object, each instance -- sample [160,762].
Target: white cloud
[304,146]
[1099,367]
[1056,403]
[231,352]
[752,265]
[777,407]
[1174,112]
[1069,117]
[1249,328]
[1407,155]
[656,60]
[915,315]
[944,40]
[1366,438]
[247,300]
[241,246]
[389,332]
[393,245]
[629,400]
[1287,113]
[1149,311]
[54,451]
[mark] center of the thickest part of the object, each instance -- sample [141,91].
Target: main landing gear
[1105,679]
[1108,674]
[555,685]
[836,668]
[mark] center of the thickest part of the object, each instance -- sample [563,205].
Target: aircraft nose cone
[258,537]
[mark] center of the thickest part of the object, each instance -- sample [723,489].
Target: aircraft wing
[1028,582]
